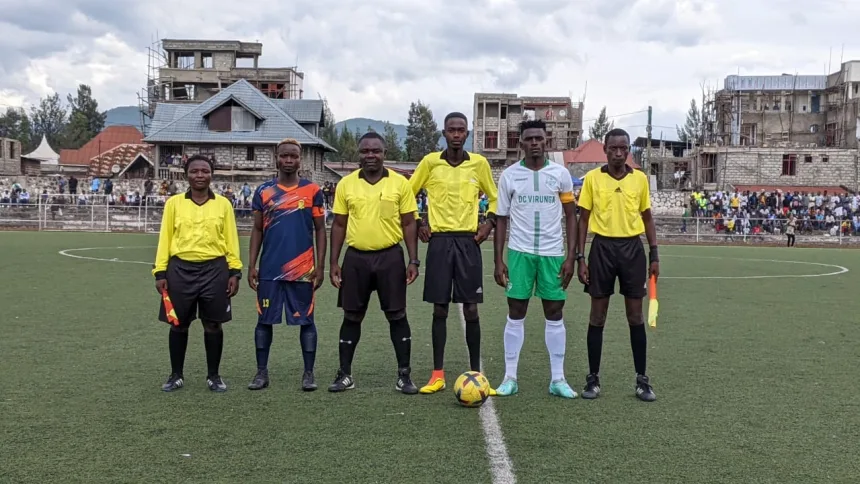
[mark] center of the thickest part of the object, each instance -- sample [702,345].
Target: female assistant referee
[197,266]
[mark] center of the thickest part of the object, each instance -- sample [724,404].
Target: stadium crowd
[754,213]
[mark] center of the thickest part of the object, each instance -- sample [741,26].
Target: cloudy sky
[371,58]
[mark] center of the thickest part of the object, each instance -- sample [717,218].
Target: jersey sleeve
[586,199]
[257,200]
[645,201]
[503,204]
[340,206]
[318,203]
[488,186]
[565,189]
[420,176]
[165,237]
[407,198]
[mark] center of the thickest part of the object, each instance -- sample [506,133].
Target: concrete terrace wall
[764,166]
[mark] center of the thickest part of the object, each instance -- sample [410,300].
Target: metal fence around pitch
[98,214]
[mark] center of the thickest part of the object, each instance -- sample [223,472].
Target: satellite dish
[115,169]
[562,113]
[813,128]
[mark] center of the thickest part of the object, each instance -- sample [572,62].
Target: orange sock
[437,374]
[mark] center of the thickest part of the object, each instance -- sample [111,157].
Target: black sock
[263,341]
[177,342]
[595,348]
[214,343]
[308,339]
[473,341]
[439,335]
[639,344]
[401,337]
[350,333]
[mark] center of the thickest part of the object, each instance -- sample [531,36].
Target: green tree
[85,120]
[394,151]
[328,132]
[690,133]
[49,119]
[422,133]
[15,124]
[601,126]
[348,146]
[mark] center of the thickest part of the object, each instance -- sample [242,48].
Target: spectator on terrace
[108,187]
[96,184]
[61,184]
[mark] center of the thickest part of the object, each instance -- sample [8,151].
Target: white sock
[515,334]
[556,342]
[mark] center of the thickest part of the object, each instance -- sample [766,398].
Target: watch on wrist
[580,256]
[415,262]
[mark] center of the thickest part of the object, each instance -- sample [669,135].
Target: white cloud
[372,58]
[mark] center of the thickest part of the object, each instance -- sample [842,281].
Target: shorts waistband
[453,234]
[377,251]
[197,263]
[628,239]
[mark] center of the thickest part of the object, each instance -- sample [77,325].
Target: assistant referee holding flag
[615,204]
[374,209]
[197,265]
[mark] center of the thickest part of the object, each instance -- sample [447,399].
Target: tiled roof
[302,110]
[191,127]
[108,139]
[591,152]
[120,155]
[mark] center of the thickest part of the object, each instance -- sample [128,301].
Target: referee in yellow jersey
[615,204]
[453,179]
[197,265]
[374,209]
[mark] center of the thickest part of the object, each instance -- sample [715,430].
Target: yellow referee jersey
[616,206]
[452,191]
[197,233]
[374,211]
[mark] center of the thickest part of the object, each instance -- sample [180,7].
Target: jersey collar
[545,163]
[211,195]
[627,170]
[361,173]
[444,155]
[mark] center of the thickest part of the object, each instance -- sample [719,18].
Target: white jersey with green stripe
[532,200]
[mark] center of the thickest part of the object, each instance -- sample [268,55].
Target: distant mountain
[379,126]
[123,116]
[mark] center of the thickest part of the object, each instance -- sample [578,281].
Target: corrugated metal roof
[302,110]
[591,152]
[775,83]
[190,126]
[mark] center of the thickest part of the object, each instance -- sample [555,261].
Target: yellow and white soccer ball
[472,389]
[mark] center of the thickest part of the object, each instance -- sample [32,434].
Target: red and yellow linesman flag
[652,302]
[168,309]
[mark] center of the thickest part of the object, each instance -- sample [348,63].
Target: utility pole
[648,149]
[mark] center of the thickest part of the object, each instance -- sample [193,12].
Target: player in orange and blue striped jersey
[288,219]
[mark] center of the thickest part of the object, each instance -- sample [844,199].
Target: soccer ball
[471,389]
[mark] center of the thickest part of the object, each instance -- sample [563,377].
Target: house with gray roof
[239,128]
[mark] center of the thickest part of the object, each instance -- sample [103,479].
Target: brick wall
[765,167]
[10,165]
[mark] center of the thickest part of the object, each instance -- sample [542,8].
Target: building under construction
[497,117]
[786,130]
[191,71]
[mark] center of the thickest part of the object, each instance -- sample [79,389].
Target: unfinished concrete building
[781,131]
[10,156]
[497,117]
[192,71]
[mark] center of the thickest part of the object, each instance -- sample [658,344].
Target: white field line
[501,467]
[838,269]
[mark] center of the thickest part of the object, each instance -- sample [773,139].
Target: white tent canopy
[44,153]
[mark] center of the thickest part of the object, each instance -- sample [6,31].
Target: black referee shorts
[454,268]
[365,271]
[198,289]
[612,258]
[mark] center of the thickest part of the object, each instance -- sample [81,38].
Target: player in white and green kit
[535,199]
